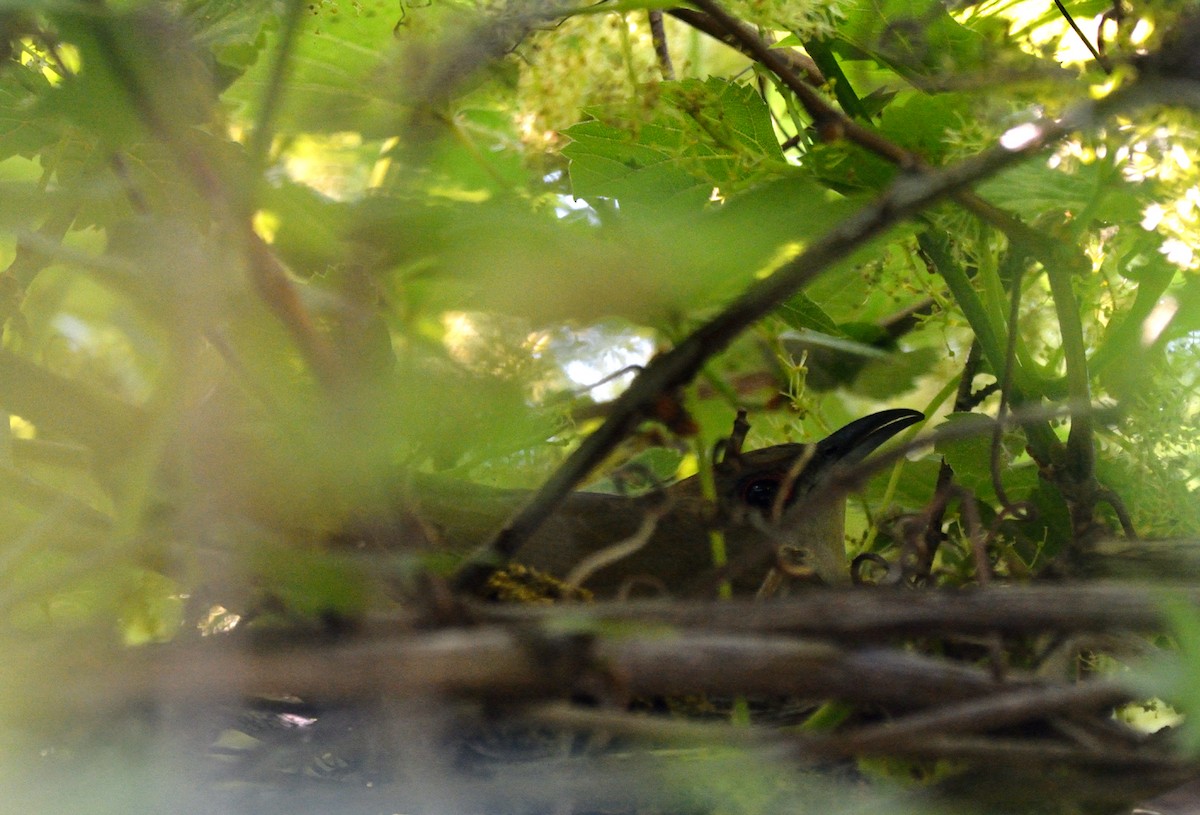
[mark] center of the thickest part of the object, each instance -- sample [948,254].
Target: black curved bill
[765,470]
[857,440]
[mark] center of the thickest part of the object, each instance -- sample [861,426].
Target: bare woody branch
[492,662]
[875,615]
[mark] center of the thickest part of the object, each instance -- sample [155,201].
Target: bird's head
[773,483]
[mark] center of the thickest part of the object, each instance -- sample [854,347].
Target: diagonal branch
[829,121]
[799,62]
[1077,478]
[907,196]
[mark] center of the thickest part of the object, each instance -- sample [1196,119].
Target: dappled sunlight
[368,367]
[578,360]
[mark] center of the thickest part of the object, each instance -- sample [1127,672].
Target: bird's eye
[761,493]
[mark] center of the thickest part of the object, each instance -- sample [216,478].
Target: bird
[786,494]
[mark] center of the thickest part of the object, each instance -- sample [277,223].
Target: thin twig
[659,36]
[1118,506]
[609,555]
[1100,60]
[1002,709]
[933,536]
[903,735]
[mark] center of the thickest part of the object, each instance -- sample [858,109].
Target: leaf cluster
[270,265]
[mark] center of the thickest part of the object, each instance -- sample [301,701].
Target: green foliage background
[265,259]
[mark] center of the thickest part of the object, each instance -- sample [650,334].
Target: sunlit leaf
[332,84]
[710,134]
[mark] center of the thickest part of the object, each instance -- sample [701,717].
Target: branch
[855,615]
[932,537]
[659,35]
[831,122]
[1081,487]
[493,662]
[924,733]
[907,196]
[801,63]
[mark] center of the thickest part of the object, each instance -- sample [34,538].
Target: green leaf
[885,379]
[647,470]
[498,256]
[22,203]
[66,408]
[484,159]
[1178,678]
[712,134]
[800,312]
[1096,189]
[231,30]
[822,54]
[914,38]
[970,458]
[336,71]
[733,115]
[606,162]
[919,122]
[316,585]
[24,128]
[311,226]
[1079,9]
[121,92]
[1123,340]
